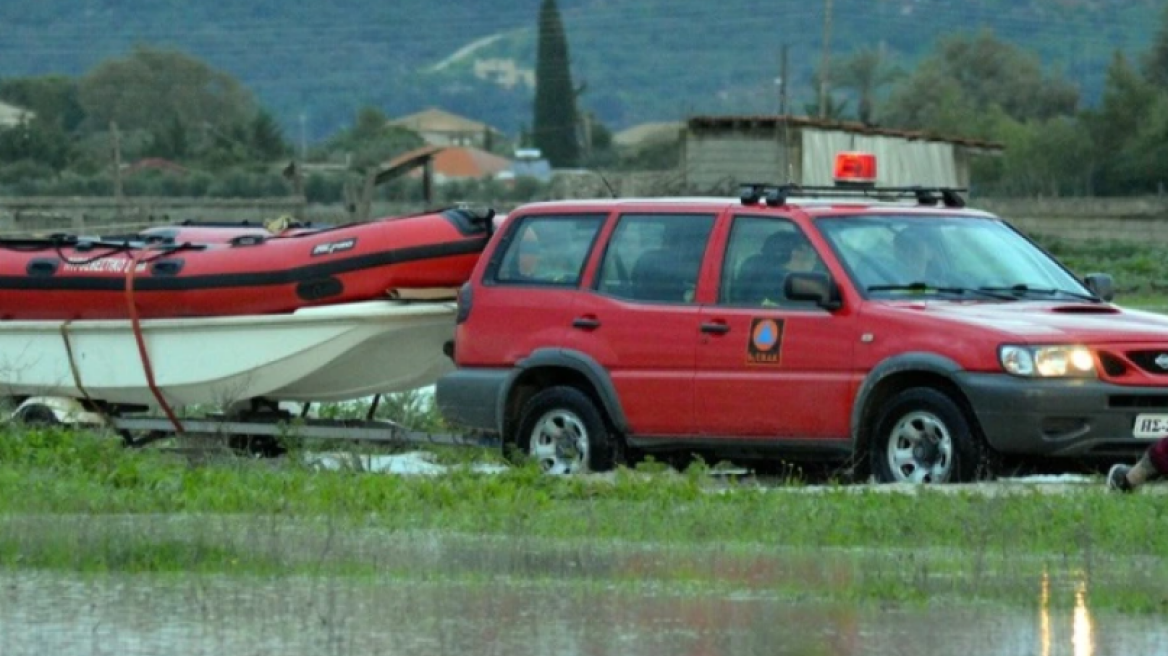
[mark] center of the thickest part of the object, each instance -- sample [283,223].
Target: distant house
[528,163]
[723,151]
[444,164]
[11,115]
[441,128]
[467,163]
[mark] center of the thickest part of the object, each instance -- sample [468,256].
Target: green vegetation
[1139,270]
[1075,119]
[52,471]
[554,130]
[81,502]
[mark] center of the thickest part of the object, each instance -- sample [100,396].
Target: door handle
[586,323]
[715,327]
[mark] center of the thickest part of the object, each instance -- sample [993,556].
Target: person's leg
[1153,464]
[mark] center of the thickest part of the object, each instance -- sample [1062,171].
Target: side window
[655,257]
[760,254]
[548,250]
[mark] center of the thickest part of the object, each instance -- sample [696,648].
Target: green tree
[267,140]
[1156,59]
[52,98]
[36,141]
[149,88]
[1128,131]
[1048,158]
[171,143]
[969,74]
[555,99]
[371,141]
[865,72]
[837,108]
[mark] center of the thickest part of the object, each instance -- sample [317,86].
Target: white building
[721,152]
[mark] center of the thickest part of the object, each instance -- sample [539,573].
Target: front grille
[1112,364]
[1138,401]
[1146,360]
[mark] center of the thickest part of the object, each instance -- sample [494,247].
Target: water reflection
[147,614]
[438,593]
[1083,636]
[1082,624]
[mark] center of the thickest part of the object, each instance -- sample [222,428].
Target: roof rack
[776,195]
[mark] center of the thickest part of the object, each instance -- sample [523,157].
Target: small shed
[721,152]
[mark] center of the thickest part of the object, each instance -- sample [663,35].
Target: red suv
[891,327]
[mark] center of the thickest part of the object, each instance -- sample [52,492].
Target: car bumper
[471,397]
[1060,417]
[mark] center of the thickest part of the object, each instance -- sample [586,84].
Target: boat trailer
[259,427]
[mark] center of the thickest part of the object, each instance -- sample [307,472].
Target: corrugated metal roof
[772,121]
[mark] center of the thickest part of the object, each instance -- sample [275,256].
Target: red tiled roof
[467,162]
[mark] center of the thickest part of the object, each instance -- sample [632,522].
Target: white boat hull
[328,353]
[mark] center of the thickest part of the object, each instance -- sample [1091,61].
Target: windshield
[982,258]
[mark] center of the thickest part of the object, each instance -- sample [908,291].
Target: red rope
[137,325]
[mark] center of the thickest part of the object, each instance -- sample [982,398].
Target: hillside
[649,60]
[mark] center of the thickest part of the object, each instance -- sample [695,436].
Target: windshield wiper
[960,291]
[1022,289]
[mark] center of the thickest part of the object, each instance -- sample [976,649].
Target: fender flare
[579,362]
[918,361]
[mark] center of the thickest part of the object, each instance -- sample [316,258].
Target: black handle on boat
[59,241]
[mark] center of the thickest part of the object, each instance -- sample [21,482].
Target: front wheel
[922,436]
[562,430]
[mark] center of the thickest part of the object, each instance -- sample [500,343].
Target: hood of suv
[1030,321]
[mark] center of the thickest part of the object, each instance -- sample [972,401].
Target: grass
[80,502]
[51,471]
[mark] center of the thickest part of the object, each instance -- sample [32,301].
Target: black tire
[256,446]
[39,415]
[562,430]
[922,436]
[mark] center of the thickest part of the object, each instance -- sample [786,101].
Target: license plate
[1151,426]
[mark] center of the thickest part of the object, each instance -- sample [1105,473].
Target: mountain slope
[649,60]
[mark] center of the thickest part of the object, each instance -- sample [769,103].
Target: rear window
[547,249]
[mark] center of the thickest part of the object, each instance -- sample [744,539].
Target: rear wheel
[923,437]
[562,430]
[38,415]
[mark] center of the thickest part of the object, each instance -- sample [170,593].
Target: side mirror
[1100,285]
[817,287]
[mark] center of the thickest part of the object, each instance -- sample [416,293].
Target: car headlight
[1047,361]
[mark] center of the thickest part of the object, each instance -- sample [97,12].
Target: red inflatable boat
[190,272]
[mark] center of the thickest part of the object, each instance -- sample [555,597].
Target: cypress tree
[1156,59]
[555,99]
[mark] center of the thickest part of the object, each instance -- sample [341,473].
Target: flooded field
[436,593]
[150,614]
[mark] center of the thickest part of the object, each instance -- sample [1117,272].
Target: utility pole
[824,67]
[783,82]
[783,136]
[116,140]
[303,137]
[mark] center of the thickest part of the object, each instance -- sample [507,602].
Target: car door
[772,367]
[529,287]
[640,319]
